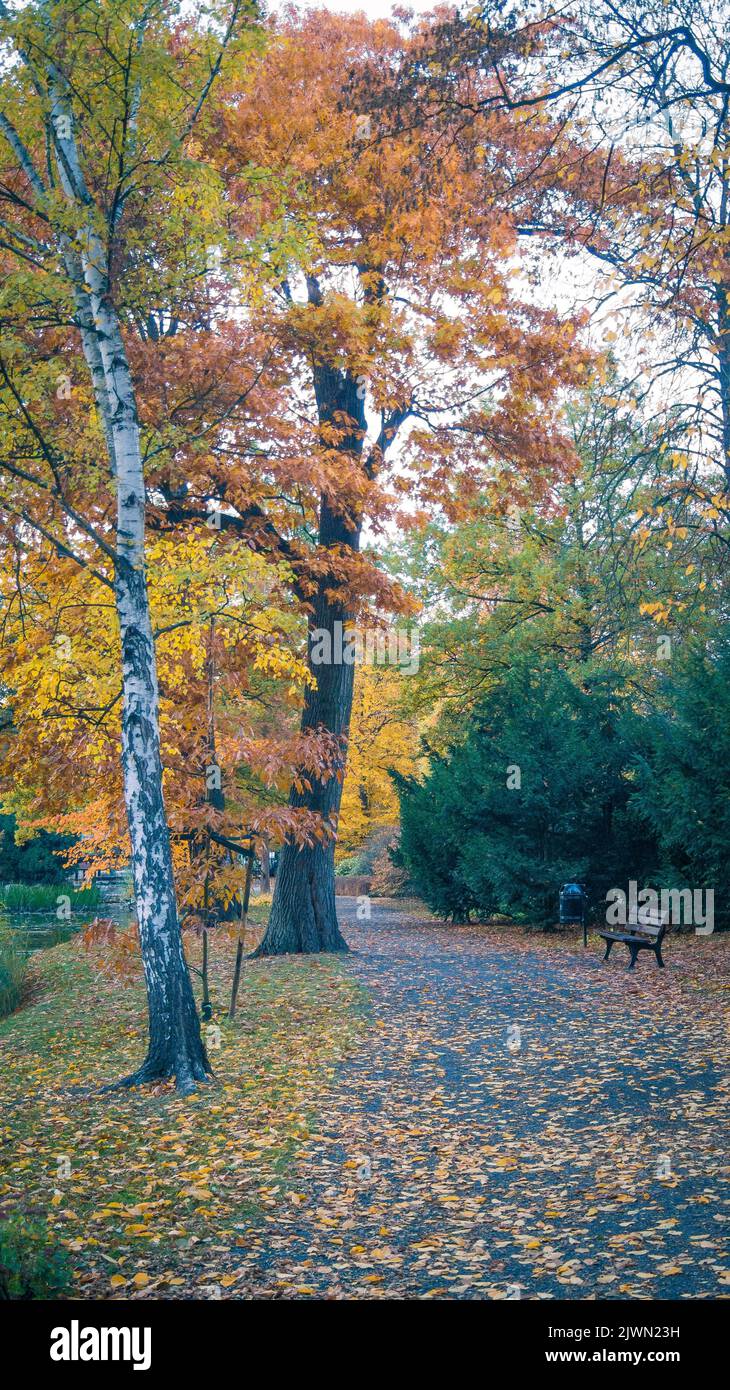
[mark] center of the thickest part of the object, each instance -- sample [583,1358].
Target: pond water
[43,929]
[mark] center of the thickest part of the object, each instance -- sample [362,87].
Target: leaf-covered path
[502,1129]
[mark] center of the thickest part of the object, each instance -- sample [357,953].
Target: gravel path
[520,1121]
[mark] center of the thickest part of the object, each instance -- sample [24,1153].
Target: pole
[242,931]
[205,1008]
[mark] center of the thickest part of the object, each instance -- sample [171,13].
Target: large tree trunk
[175,1044]
[303,913]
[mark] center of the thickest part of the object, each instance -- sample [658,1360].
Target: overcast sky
[374,9]
[578,278]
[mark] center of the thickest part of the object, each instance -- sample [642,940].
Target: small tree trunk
[242,931]
[206,1008]
[265,867]
[722,299]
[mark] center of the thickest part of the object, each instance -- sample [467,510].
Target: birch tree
[100,107]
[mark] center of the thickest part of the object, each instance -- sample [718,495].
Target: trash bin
[573,904]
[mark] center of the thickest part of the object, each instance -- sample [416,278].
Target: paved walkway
[520,1121]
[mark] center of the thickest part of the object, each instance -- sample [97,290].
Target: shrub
[37,860]
[362,862]
[352,865]
[390,879]
[29,1265]
[537,793]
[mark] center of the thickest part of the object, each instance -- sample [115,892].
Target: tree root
[269,953]
[187,1077]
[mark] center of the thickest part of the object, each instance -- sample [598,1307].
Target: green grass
[43,897]
[13,969]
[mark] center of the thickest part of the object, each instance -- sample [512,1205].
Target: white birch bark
[175,1045]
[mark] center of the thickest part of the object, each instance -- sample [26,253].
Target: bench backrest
[649,922]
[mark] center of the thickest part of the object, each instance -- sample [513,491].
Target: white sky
[566,283]
[374,9]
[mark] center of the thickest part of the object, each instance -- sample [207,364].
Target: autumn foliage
[328,258]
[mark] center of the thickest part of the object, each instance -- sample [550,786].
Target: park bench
[645,933]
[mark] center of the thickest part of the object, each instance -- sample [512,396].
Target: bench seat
[646,933]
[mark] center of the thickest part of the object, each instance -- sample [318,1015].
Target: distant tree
[37,860]
[600,573]
[629,104]
[382,737]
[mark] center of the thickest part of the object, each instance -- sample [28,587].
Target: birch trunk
[175,1044]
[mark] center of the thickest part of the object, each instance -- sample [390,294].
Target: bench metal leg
[658,954]
[634,954]
[609,944]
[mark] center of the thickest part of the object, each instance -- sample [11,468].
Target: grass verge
[13,969]
[144,1192]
